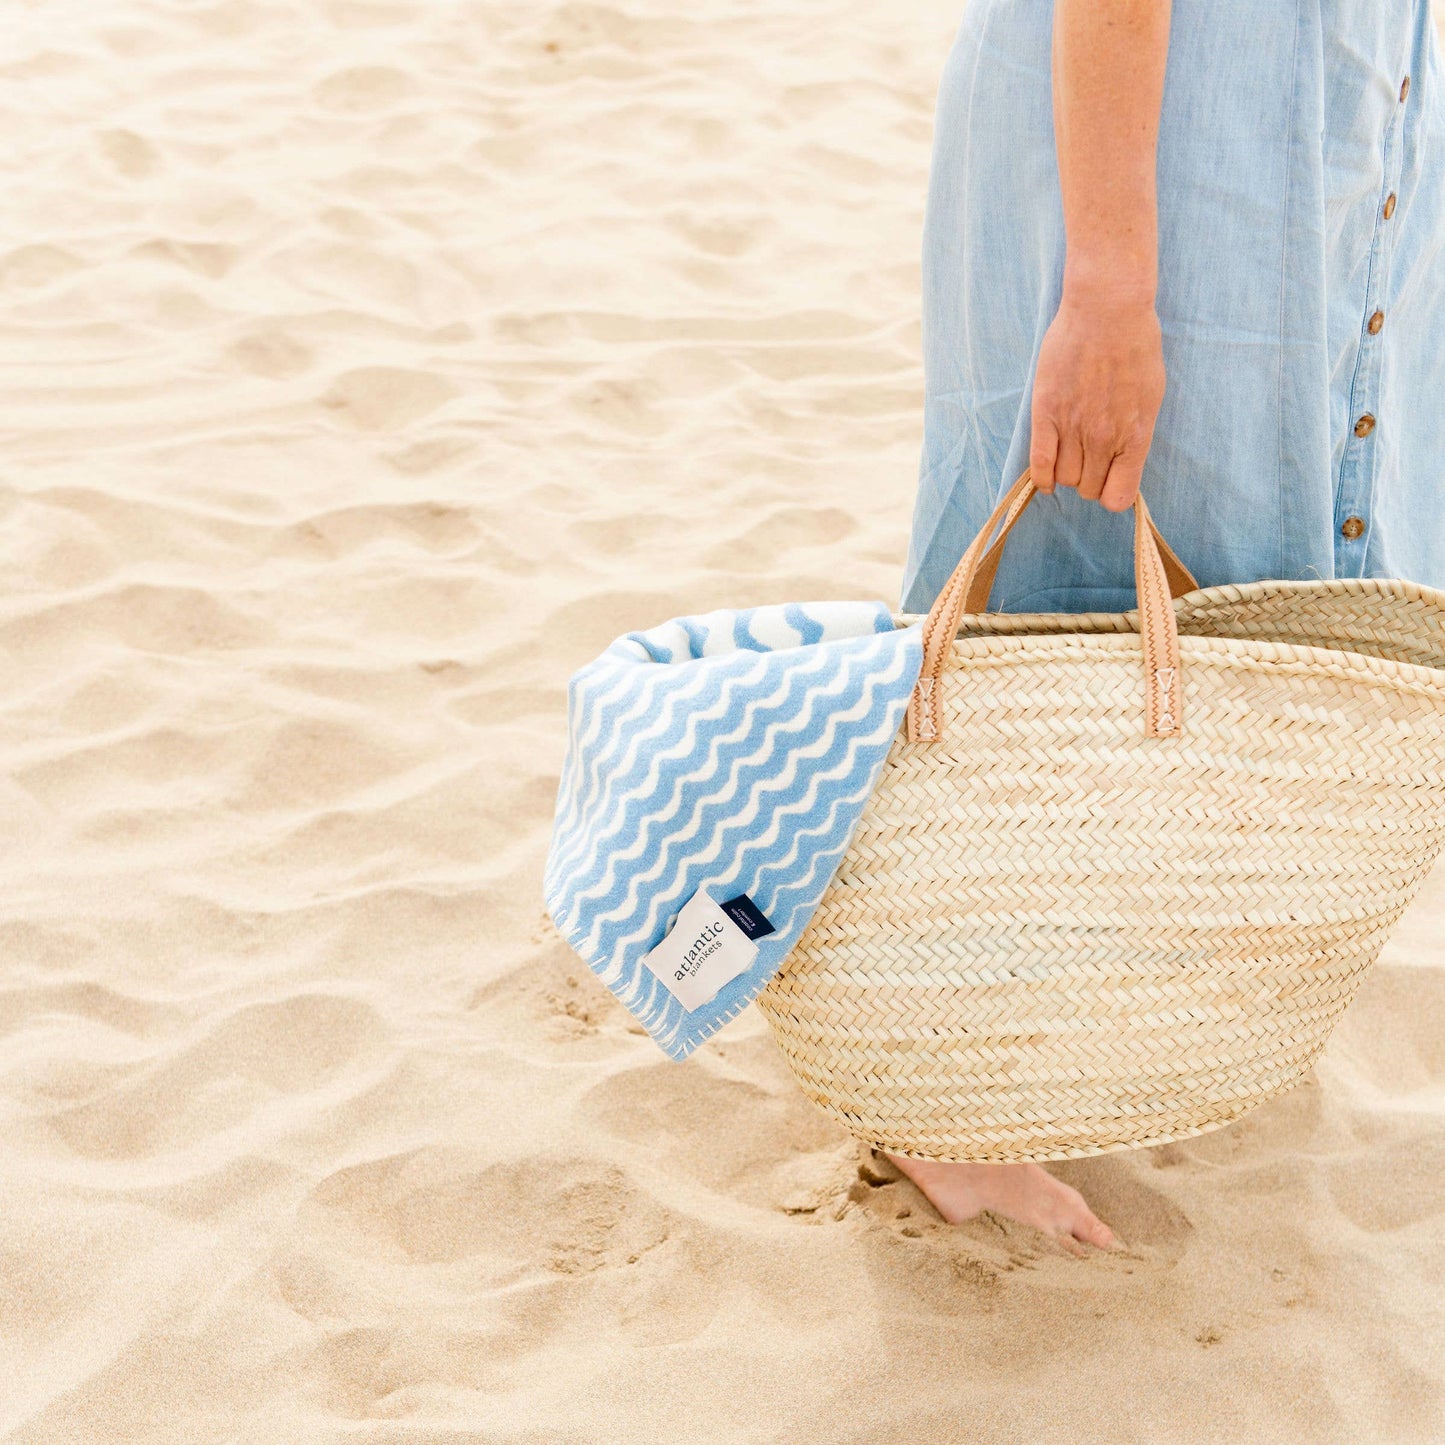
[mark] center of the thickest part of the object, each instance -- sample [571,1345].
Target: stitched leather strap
[1159,576]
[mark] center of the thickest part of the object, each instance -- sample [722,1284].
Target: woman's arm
[1100,377]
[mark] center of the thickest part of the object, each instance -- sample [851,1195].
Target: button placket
[1360,465]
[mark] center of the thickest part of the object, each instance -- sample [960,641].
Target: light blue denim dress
[1301,183]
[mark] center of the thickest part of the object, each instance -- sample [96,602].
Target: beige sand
[368,365]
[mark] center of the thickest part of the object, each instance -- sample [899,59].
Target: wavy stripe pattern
[733,750]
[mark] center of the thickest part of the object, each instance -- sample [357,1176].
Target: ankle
[928,1169]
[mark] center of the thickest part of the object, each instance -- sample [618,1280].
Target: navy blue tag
[748,916]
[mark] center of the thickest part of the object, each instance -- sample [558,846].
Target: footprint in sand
[35,266]
[1390,1034]
[364,88]
[91,1005]
[769,544]
[182,1094]
[729,1134]
[386,398]
[429,526]
[211,259]
[554,1214]
[552,988]
[1144,1217]
[131,154]
[1390,1186]
[271,353]
[313,763]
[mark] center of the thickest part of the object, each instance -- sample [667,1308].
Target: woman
[1249,198]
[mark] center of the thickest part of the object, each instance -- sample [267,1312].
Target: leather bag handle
[1159,576]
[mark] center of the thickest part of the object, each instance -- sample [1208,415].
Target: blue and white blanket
[731,754]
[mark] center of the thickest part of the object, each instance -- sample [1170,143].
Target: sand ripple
[367,367]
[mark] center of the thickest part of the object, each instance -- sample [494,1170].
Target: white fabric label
[704,951]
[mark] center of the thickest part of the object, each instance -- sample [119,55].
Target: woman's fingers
[1043,449]
[1126,473]
[1095,470]
[1069,465]
[1100,474]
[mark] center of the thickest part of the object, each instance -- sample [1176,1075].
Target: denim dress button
[1404,88]
[1365,425]
[1376,322]
[1352,527]
[1389,205]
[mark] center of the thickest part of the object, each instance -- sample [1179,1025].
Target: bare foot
[1024,1192]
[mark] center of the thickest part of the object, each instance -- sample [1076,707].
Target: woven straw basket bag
[1091,907]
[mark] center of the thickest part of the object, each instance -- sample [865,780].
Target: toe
[1096,1232]
[1067,1242]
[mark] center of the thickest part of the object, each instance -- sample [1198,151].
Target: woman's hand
[1100,376]
[1097,393]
